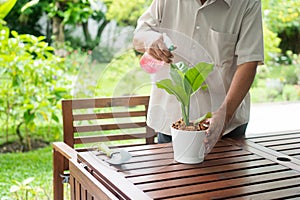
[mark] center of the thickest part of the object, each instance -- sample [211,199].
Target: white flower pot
[188,146]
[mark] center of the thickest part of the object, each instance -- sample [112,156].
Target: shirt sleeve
[151,18]
[250,45]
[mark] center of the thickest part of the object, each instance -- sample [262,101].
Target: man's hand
[239,87]
[217,125]
[159,50]
[152,43]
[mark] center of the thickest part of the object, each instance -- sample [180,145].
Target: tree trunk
[18,132]
[48,31]
[58,32]
[100,30]
[87,36]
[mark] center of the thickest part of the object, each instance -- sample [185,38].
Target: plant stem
[185,113]
[7,121]
[188,114]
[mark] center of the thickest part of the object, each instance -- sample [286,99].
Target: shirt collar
[228,2]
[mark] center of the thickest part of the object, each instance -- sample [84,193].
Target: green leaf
[55,118]
[204,68]
[27,181]
[29,4]
[176,75]
[28,116]
[176,90]
[14,188]
[3,70]
[16,81]
[14,33]
[206,116]
[197,75]
[204,87]
[6,7]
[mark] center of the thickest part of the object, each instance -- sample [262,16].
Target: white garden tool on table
[117,157]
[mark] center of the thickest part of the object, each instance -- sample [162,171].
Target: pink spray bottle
[150,64]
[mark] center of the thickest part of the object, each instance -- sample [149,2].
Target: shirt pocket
[221,47]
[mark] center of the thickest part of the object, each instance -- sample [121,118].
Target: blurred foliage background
[53,49]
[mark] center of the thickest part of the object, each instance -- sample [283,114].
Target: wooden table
[265,167]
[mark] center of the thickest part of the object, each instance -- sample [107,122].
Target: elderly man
[226,32]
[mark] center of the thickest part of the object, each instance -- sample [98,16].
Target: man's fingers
[211,138]
[154,52]
[159,51]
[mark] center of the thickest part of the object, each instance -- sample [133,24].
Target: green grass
[20,166]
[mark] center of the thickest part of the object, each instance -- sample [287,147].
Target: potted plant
[187,137]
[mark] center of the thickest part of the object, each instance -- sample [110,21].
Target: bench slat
[105,138]
[103,127]
[93,116]
[109,102]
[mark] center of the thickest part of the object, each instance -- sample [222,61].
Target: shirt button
[197,27]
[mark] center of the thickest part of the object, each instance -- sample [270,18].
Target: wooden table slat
[210,165]
[197,179]
[221,185]
[280,142]
[243,191]
[292,152]
[170,163]
[269,154]
[285,147]
[286,193]
[271,137]
[179,170]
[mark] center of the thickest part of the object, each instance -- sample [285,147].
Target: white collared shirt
[225,32]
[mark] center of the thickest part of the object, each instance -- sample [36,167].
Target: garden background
[52,50]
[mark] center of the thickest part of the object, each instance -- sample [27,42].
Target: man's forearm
[241,83]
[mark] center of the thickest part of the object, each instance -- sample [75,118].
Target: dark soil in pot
[180,125]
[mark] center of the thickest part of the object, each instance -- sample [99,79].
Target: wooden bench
[88,121]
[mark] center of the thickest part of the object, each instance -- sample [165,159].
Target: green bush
[291,76]
[290,93]
[271,43]
[283,18]
[32,80]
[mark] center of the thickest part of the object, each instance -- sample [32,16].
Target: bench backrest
[87,121]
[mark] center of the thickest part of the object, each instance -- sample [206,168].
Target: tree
[63,13]
[283,17]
